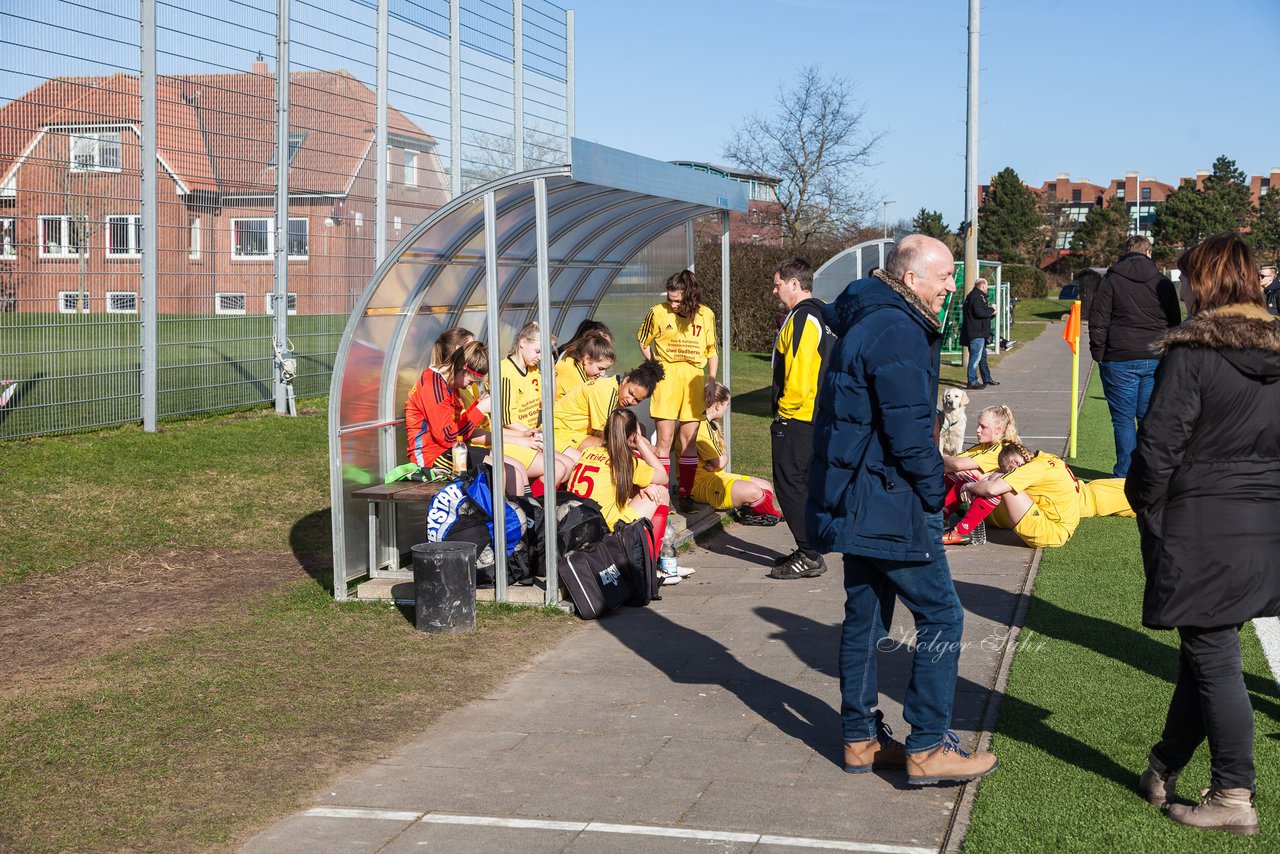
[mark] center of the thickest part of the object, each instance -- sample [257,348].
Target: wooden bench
[377,495]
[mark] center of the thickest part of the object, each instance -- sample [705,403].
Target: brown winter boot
[1229,810]
[884,751]
[1158,784]
[947,763]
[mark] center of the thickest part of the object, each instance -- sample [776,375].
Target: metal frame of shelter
[857,262]
[547,244]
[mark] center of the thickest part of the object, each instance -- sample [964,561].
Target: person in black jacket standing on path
[975,329]
[1205,484]
[1133,307]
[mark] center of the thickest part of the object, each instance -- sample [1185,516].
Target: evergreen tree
[930,223]
[1265,235]
[1228,202]
[1182,219]
[1009,223]
[1099,240]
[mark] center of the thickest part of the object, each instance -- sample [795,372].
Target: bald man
[876,495]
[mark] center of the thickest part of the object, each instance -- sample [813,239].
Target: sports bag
[463,512]
[618,570]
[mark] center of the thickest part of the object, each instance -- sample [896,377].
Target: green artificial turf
[1086,699]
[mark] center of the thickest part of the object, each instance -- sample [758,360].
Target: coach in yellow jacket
[798,360]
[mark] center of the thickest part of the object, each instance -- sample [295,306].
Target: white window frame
[411,167]
[63,250]
[396,223]
[64,308]
[8,237]
[193,249]
[133,236]
[359,219]
[291,298]
[220,308]
[113,295]
[236,255]
[88,151]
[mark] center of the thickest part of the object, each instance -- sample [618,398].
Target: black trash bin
[444,583]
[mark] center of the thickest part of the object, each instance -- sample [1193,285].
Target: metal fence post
[149,198]
[517,80]
[726,342]
[568,79]
[280,277]
[548,387]
[380,141]
[455,100]
[499,484]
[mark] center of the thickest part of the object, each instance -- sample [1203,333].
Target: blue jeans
[978,360]
[1127,387]
[871,586]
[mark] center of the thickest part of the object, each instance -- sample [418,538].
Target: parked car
[1071,290]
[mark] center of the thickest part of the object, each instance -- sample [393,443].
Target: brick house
[762,223]
[70,189]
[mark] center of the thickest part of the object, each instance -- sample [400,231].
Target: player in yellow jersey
[681,335]
[1034,493]
[751,497]
[995,425]
[623,476]
[521,395]
[581,414]
[582,360]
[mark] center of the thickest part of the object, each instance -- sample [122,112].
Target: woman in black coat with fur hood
[1205,483]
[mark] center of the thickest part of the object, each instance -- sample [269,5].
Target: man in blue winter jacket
[876,494]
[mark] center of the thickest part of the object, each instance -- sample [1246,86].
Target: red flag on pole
[1071,334]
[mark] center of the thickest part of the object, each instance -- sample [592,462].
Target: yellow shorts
[519,452]
[564,442]
[1034,528]
[1104,498]
[681,395]
[715,488]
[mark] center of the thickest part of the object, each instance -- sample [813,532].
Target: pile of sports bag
[600,570]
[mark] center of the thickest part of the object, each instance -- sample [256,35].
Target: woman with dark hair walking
[681,335]
[1205,482]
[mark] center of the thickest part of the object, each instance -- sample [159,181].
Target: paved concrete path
[707,722]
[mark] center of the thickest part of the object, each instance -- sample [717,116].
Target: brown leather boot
[884,751]
[1159,783]
[1229,810]
[947,763]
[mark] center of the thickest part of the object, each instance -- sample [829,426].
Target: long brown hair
[715,393]
[449,341]
[472,356]
[593,346]
[618,428]
[1220,272]
[687,283]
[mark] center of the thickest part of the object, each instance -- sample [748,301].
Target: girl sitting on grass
[750,497]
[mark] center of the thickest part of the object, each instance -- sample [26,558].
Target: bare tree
[492,155]
[816,143]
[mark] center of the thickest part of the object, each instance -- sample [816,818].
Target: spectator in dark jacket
[1270,288]
[1205,484]
[875,494]
[1134,305]
[975,329]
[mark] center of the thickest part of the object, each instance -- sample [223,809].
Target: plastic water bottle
[667,557]
[459,458]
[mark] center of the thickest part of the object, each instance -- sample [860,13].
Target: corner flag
[1071,333]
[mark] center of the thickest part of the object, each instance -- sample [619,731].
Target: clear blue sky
[1095,88]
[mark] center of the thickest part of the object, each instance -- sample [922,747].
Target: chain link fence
[391,108]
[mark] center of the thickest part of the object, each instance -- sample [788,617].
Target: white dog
[952,421]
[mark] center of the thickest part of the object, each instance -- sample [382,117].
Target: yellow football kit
[584,411]
[683,346]
[986,456]
[569,376]
[521,395]
[593,478]
[798,360]
[1104,497]
[1055,502]
[713,487]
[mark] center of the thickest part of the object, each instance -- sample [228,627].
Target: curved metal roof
[603,213]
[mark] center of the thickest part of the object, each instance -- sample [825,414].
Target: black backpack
[618,570]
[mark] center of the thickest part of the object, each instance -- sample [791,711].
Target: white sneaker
[685,571]
[668,580]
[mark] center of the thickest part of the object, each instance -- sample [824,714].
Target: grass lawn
[122,727]
[1086,700]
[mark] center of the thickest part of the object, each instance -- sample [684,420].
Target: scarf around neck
[909,295]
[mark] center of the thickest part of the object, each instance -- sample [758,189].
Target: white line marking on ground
[835,845]
[674,832]
[1268,629]
[677,832]
[355,812]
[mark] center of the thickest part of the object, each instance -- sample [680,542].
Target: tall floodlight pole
[971,158]
[886,217]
